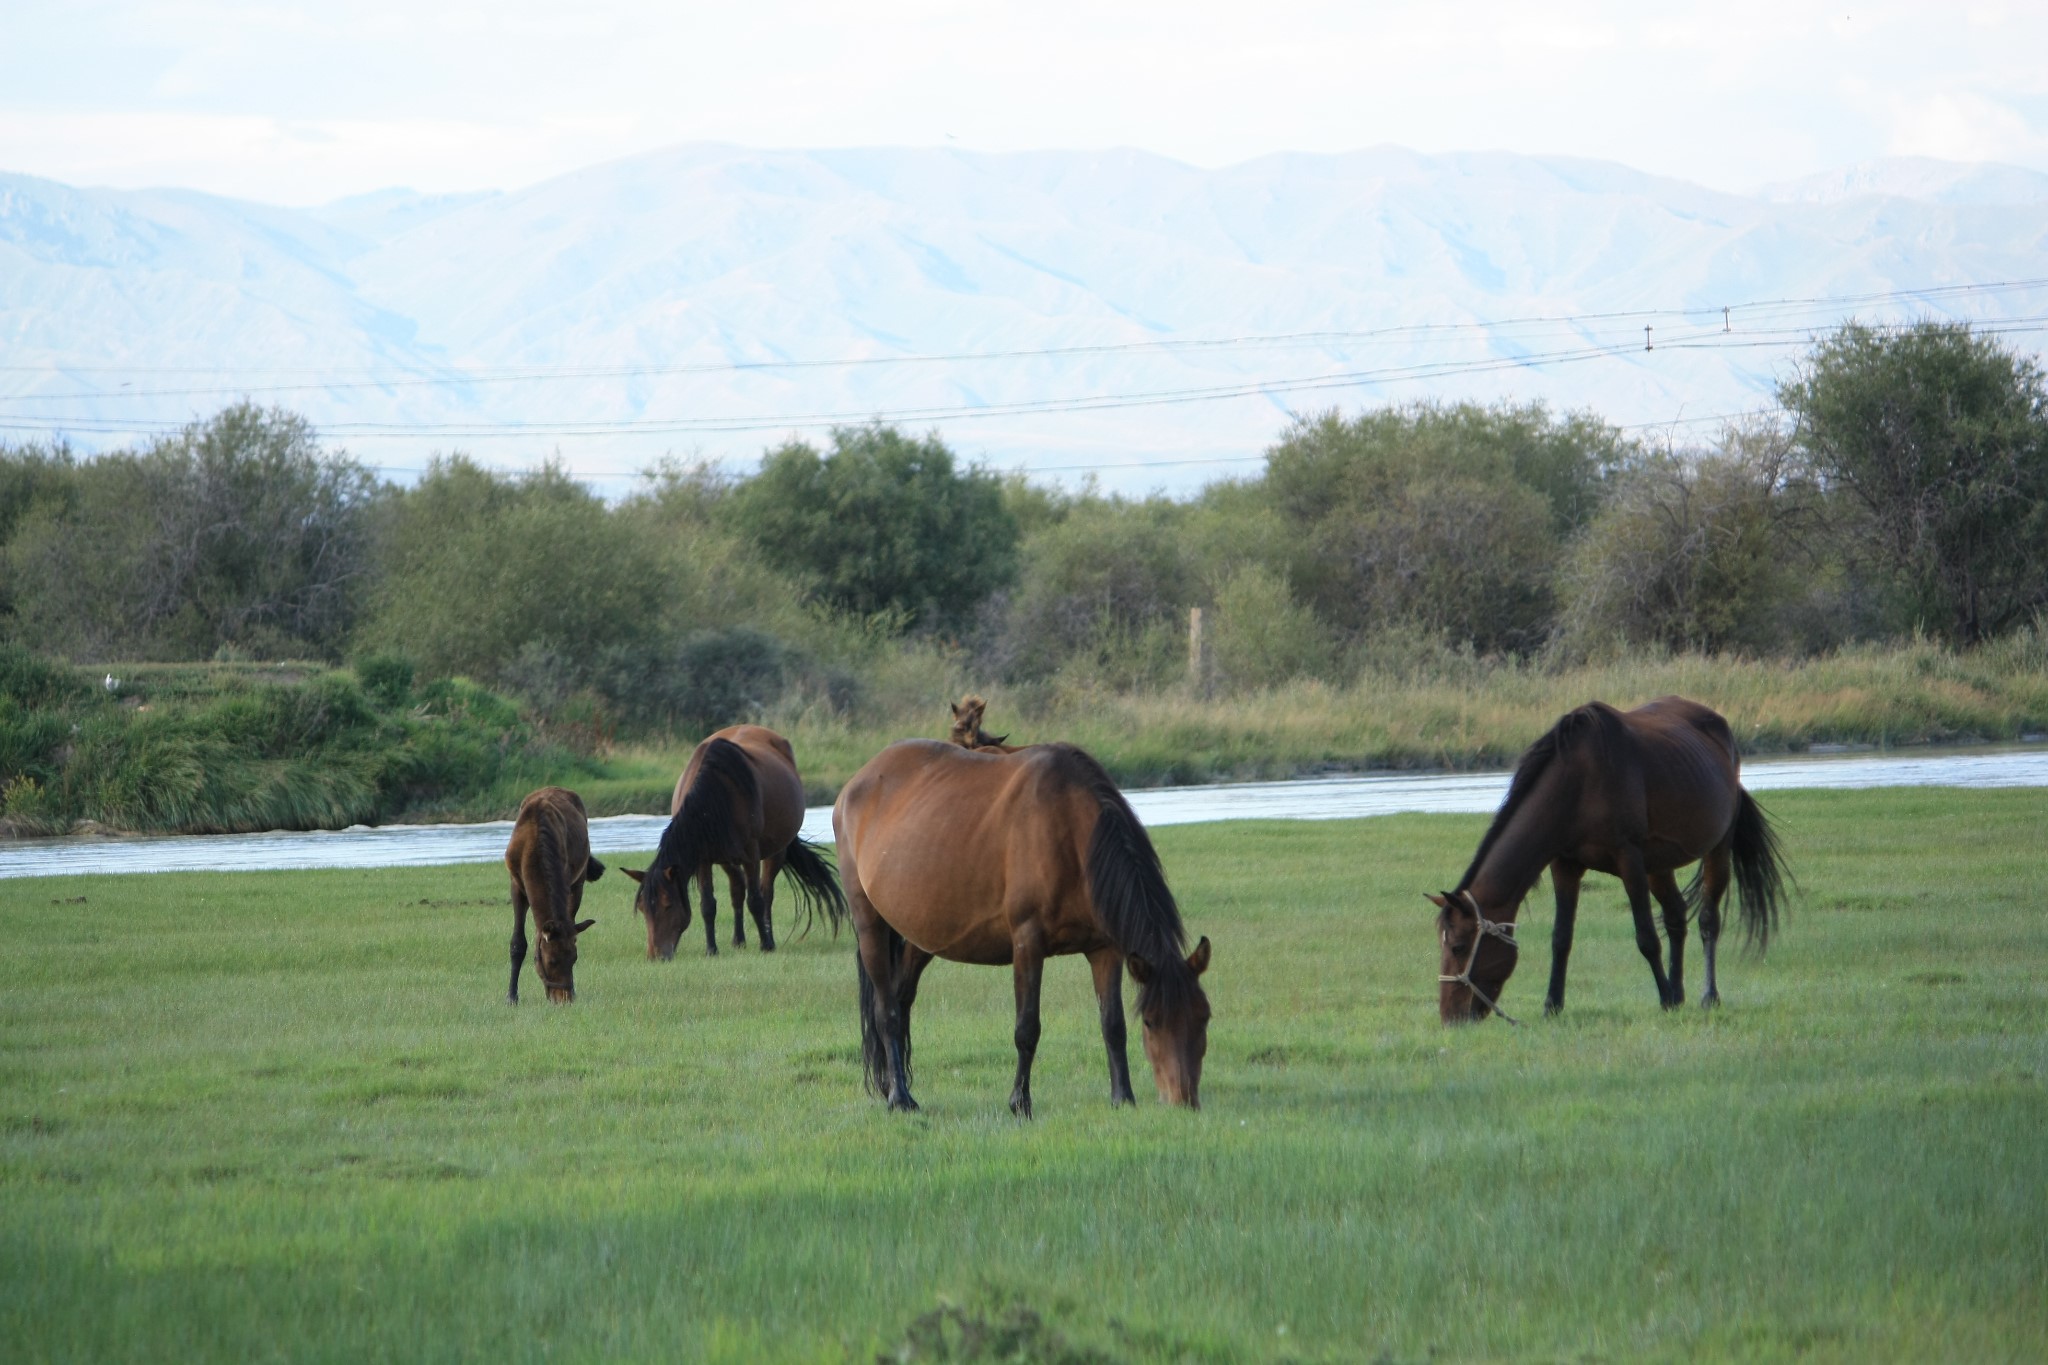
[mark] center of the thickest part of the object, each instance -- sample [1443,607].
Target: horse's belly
[955,917]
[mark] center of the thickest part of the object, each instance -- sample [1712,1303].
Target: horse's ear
[669,872]
[954,707]
[584,924]
[635,873]
[1198,960]
[1441,902]
[1140,971]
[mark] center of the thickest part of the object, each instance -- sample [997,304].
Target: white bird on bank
[113,683]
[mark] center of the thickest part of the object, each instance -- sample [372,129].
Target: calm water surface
[1326,798]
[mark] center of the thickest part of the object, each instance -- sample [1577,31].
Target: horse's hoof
[902,1105]
[1551,1007]
[1710,1001]
[1021,1107]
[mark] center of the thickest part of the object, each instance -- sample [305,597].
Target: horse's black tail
[1759,871]
[874,1046]
[817,886]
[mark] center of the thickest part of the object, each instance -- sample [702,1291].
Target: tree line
[1902,490]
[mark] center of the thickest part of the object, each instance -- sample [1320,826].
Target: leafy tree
[240,530]
[1450,520]
[884,526]
[1711,552]
[1938,440]
[480,566]
[1103,590]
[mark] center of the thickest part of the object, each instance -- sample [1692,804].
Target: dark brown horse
[1008,859]
[967,731]
[549,858]
[738,805]
[1637,795]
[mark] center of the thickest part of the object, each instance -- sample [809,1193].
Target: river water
[1322,798]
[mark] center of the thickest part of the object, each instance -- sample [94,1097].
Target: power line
[1706,339]
[1281,340]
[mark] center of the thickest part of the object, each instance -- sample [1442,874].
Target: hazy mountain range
[1085,299]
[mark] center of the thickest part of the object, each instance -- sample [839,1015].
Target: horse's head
[1469,958]
[664,903]
[557,958]
[1175,1014]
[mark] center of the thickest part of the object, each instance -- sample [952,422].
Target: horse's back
[947,842]
[776,780]
[555,814]
[1690,770]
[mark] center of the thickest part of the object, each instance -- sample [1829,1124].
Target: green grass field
[287,1116]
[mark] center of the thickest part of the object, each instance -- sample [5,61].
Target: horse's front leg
[1637,883]
[1108,966]
[1028,962]
[1565,879]
[704,894]
[518,939]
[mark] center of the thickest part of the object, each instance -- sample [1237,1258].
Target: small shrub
[386,678]
[1263,636]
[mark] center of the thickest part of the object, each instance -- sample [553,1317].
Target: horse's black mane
[553,875]
[705,824]
[1128,886]
[1595,723]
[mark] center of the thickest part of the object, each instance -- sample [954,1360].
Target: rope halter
[1504,931]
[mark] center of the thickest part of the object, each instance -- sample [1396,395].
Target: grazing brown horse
[549,858]
[738,805]
[967,731]
[1008,859]
[1637,795]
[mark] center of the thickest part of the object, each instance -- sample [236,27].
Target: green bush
[1263,637]
[884,527]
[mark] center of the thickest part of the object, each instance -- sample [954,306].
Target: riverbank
[299,747]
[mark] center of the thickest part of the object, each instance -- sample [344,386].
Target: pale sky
[310,100]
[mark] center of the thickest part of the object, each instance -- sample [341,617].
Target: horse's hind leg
[1565,879]
[704,894]
[1637,883]
[736,883]
[885,1040]
[757,901]
[1108,966]
[1664,886]
[518,939]
[908,973]
[1028,962]
[1714,875]
[769,868]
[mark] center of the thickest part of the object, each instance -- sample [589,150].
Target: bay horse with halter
[738,805]
[549,858]
[1006,860]
[967,731]
[1637,795]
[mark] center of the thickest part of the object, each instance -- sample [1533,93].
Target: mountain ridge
[397,321]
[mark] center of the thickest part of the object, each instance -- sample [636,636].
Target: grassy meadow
[287,1116]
